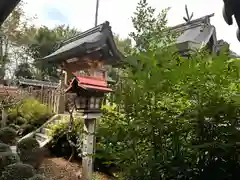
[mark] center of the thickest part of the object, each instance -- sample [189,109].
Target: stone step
[41,137]
[45,130]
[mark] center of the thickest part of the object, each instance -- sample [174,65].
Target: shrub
[13,114]
[38,177]
[8,135]
[4,148]
[17,171]
[27,144]
[30,152]
[29,111]
[179,119]
[25,129]
[14,126]
[34,112]
[20,121]
[7,158]
[60,134]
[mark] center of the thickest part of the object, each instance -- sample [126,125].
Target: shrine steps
[42,134]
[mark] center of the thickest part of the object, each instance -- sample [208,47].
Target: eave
[33,82]
[89,83]
[6,7]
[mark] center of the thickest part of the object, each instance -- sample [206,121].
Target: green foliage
[17,171]
[42,42]
[14,126]
[57,130]
[30,111]
[175,115]
[8,135]
[150,30]
[27,144]
[111,122]
[11,30]
[23,70]
[66,140]
[7,158]
[38,177]
[29,152]
[4,148]
[123,45]
[25,129]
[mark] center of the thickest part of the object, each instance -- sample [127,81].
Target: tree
[11,37]
[150,30]
[42,42]
[172,119]
[23,71]
[9,33]
[124,45]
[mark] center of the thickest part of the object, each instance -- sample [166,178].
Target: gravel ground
[61,169]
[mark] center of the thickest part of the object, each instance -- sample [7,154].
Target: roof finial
[188,18]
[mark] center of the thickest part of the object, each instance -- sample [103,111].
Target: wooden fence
[48,96]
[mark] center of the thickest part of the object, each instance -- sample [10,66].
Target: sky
[81,14]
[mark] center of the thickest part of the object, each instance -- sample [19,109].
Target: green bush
[17,171]
[7,158]
[30,111]
[38,177]
[57,130]
[4,148]
[60,144]
[8,135]
[20,121]
[13,114]
[25,129]
[30,152]
[34,112]
[14,126]
[175,120]
[27,144]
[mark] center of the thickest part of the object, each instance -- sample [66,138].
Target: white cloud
[81,14]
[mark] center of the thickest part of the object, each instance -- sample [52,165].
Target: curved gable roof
[195,34]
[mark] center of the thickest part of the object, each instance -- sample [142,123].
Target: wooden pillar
[61,99]
[89,142]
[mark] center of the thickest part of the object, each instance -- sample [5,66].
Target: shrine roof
[6,7]
[90,83]
[195,34]
[34,82]
[94,39]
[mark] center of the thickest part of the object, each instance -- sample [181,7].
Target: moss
[17,171]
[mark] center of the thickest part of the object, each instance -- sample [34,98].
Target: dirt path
[61,169]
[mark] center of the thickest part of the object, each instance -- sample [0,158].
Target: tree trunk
[4,118]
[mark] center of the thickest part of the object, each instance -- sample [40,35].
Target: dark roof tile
[93,39]
[34,82]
